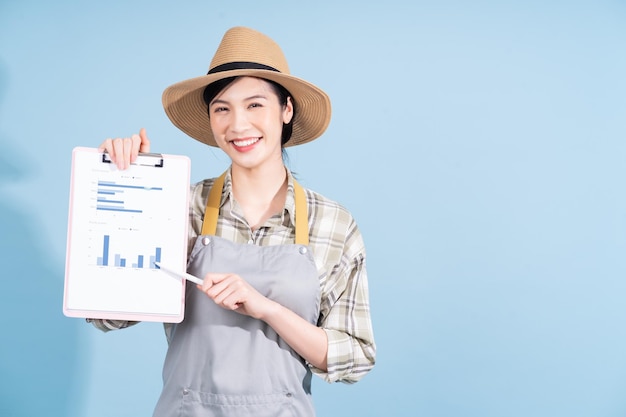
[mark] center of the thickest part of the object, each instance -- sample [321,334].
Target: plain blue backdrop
[480,145]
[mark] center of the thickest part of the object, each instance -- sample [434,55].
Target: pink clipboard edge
[117,315]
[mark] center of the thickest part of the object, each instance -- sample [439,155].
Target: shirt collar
[287,216]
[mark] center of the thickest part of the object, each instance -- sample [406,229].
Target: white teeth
[246,142]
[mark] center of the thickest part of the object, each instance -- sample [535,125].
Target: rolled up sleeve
[345,316]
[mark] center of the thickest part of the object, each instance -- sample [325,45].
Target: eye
[255,105]
[219,109]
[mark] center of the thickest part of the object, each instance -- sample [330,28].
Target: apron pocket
[197,403]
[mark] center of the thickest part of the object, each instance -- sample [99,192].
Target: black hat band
[229,66]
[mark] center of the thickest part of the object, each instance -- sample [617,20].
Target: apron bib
[222,363]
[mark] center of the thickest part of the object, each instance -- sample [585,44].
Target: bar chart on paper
[120,230]
[125,228]
[120,261]
[111,196]
[121,222]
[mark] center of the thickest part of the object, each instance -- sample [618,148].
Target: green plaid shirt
[339,253]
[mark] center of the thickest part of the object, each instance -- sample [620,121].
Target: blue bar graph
[104,259]
[137,187]
[139,263]
[106,200]
[110,196]
[121,262]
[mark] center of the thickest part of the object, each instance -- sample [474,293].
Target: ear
[288,111]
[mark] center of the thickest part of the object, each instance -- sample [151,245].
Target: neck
[261,192]
[259,182]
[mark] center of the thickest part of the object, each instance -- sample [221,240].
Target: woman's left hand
[232,292]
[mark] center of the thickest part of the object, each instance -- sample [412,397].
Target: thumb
[144,146]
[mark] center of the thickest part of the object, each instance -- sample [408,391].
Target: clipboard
[119,224]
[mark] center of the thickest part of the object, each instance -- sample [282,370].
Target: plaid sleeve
[345,315]
[106,325]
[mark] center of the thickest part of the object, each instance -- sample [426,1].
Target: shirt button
[250,242]
[185,391]
[302,250]
[206,240]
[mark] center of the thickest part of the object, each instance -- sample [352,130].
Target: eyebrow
[254,97]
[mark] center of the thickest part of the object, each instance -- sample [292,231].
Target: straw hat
[246,52]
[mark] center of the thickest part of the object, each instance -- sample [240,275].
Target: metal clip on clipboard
[143,159]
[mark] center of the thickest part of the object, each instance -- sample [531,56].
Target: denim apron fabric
[222,363]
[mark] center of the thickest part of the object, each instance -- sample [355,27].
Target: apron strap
[302,215]
[211,213]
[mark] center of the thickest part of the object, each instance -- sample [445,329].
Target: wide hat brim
[184,105]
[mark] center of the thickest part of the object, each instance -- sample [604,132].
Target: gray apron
[222,363]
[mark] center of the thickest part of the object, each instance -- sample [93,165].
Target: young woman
[285,286]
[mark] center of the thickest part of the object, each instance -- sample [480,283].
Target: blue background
[480,146]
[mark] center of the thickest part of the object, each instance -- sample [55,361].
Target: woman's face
[247,121]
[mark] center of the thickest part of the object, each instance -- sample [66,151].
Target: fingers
[106,146]
[144,141]
[124,151]
[135,144]
[226,290]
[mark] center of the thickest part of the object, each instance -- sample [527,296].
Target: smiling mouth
[245,142]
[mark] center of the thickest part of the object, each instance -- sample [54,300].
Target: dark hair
[216,87]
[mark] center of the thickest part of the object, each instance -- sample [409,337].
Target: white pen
[175,274]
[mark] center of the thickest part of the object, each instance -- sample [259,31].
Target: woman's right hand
[124,151]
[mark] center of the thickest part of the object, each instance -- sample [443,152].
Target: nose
[239,121]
